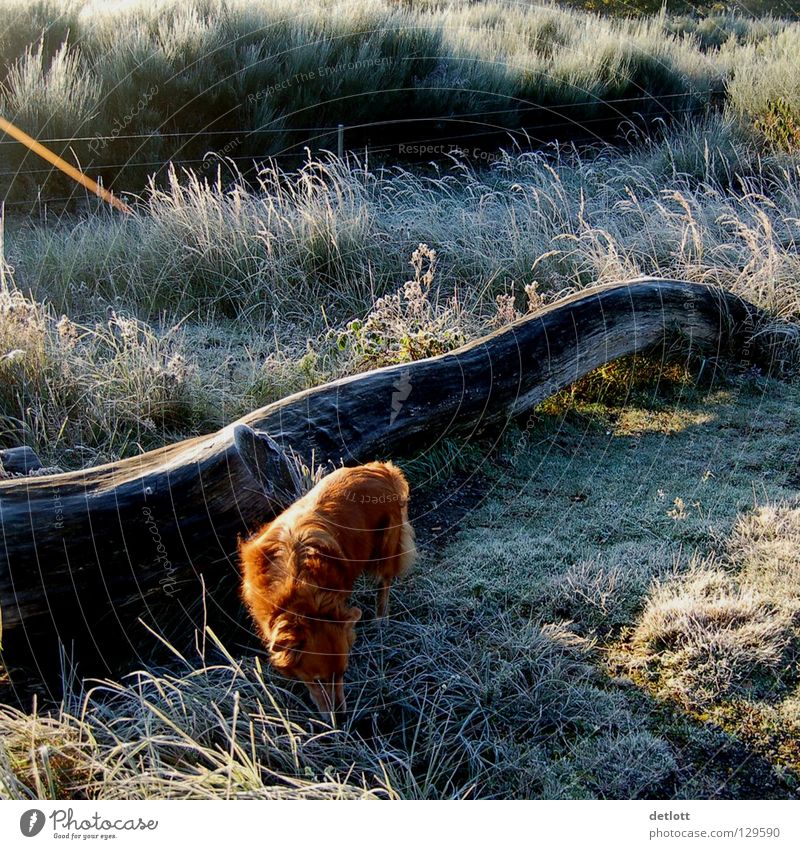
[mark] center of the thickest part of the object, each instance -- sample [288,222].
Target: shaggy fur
[298,572]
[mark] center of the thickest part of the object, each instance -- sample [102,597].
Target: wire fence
[456,142]
[217,155]
[528,107]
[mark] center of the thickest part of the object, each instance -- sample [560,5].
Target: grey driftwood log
[86,556]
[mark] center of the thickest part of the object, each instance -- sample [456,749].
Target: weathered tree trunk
[87,554]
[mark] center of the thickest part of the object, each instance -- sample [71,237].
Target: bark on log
[86,554]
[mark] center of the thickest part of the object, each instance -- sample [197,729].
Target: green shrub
[407,325]
[780,127]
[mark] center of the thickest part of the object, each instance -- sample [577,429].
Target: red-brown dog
[298,572]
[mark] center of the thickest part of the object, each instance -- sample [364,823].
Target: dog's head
[314,647]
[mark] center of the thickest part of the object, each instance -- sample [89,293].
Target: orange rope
[78,176]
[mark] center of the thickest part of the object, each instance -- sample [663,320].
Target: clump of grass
[780,126]
[54,93]
[715,150]
[42,756]
[107,387]
[208,732]
[704,638]
[764,547]
[447,459]
[280,374]
[728,629]
[715,29]
[603,592]
[631,764]
[28,21]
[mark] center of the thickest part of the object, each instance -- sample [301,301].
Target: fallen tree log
[86,555]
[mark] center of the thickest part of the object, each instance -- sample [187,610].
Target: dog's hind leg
[382,606]
[397,554]
[382,566]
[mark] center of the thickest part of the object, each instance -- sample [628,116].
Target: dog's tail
[394,478]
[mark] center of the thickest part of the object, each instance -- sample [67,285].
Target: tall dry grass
[699,205]
[251,294]
[269,78]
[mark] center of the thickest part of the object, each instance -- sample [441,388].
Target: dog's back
[358,506]
[369,505]
[353,520]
